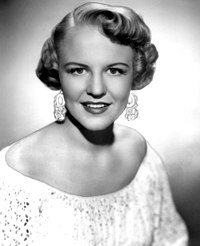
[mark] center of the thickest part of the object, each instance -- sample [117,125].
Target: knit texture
[140,214]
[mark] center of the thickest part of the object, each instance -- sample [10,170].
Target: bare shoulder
[22,155]
[131,149]
[132,141]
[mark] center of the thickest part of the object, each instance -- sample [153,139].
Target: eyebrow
[75,63]
[118,63]
[83,65]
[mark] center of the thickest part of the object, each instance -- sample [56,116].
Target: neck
[99,137]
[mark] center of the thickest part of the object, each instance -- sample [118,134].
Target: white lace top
[140,214]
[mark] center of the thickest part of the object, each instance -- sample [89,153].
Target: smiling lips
[95,107]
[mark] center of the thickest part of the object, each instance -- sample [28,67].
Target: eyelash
[118,70]
[76,71]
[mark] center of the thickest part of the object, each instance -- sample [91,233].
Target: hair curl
[120,24]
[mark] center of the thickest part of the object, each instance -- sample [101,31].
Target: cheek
[122,96]
[71,89]
[121,90]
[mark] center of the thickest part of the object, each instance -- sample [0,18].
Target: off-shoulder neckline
[53,190]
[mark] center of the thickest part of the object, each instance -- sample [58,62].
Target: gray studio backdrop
[169,107]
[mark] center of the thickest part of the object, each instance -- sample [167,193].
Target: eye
[115,71]
[77,71]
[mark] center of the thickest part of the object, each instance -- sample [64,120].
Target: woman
[84,180]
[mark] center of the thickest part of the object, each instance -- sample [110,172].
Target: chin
[96,125]
[90,123]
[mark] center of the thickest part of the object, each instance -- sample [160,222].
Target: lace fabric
[140,214]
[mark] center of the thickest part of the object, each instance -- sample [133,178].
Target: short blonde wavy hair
[120,24]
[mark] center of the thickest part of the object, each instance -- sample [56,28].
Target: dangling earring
[59,107]
[131,109]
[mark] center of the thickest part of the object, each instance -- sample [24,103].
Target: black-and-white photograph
[100,123]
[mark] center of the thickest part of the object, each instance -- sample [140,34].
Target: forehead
[86,43]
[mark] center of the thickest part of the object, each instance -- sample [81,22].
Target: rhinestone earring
[59,107]
[131,108]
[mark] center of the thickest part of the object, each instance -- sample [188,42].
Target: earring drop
[131,108]
[59,107]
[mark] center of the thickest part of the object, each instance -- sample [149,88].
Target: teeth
[95,105]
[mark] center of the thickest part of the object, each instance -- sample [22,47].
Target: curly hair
[120,24]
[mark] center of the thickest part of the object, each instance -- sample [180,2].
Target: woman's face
[96,77]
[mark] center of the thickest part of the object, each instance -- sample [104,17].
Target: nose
[96,86]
